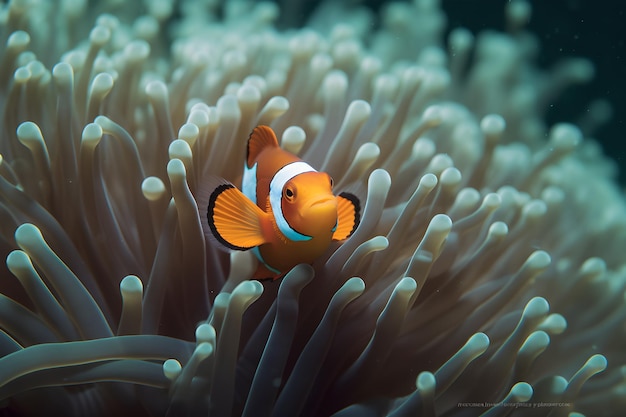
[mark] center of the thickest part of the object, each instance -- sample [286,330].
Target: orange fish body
[286,212]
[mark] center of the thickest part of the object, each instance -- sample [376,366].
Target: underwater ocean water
[572,28]
[480,142]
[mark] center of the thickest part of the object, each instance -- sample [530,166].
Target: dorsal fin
[260,138]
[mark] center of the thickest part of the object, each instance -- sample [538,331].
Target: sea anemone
[487,273]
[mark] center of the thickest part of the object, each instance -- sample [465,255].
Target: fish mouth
[322,213]
[321,201]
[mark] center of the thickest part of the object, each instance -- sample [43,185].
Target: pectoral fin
[234,220]
[348,215]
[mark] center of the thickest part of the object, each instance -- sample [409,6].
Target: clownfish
[285,213]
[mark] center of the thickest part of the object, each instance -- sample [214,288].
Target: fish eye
[289,193]
[332,182]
